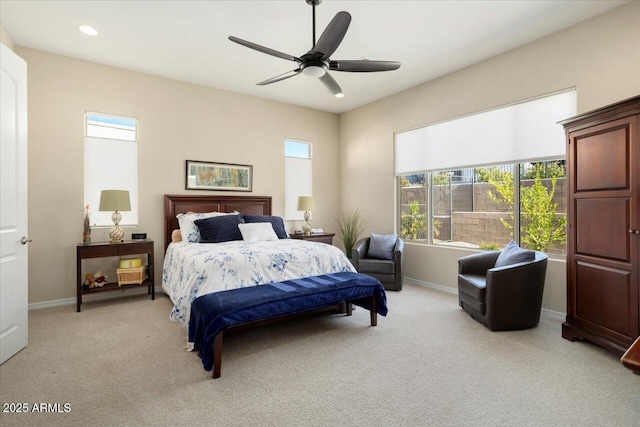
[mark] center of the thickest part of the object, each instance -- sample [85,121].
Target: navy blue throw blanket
[218,311]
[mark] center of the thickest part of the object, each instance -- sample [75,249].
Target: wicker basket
[131,276]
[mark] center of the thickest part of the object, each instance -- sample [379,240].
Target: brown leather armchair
[503,298]
[388,272]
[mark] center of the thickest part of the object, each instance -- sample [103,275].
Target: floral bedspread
[191,270]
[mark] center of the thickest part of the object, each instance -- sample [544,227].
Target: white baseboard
[551,314]
[555,315]
[447,289]
[92,297]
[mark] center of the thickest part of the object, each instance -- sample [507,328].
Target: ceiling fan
[317,62]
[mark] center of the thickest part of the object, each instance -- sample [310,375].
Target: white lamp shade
[306,203]
[114,200]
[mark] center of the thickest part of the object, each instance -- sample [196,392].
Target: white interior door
[13,204]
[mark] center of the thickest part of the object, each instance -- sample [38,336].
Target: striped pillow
[218,229]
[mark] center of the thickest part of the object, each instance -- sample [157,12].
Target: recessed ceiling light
[339,95]
[88,30]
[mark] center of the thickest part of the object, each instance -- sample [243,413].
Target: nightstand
[322,238]
[103,250]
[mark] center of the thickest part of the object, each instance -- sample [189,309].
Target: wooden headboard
[181,203]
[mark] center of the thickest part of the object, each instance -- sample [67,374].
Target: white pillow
[257,231]
[188,228]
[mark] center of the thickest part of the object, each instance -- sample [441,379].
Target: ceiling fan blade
[363,66]
[328,82]
[332,35]
[284,76]
[266,50]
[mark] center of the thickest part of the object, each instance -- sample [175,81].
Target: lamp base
[306,228]
[116,234]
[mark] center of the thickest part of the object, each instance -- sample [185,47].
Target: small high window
[297,176]
[110,163]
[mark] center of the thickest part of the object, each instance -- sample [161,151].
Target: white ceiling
[187,40]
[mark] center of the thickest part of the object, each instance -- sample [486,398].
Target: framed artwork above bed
[218,176]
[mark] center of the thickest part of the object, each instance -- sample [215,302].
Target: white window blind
[110,163]
[297,177]
[525,131]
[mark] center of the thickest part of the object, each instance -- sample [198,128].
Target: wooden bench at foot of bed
[213,314]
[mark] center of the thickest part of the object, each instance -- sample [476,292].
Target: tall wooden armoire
[603,227]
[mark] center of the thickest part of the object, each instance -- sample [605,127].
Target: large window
[487,207]
[452,194]
[110,163]
[297,176]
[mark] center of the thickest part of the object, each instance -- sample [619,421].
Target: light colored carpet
[122,362]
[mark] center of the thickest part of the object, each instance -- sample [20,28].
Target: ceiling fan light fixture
[314,71]
[88,30]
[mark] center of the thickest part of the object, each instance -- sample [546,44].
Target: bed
[234,284]
[191,270]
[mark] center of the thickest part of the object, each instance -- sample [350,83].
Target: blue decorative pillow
[219,229]
[381,246]
[513,254]
[188,229]
[276,221]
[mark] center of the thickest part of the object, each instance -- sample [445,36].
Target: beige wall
[5,39]
[600,57]
[177,121]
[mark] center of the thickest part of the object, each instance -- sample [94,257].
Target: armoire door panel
[602,159]
[605,297]
[602,228]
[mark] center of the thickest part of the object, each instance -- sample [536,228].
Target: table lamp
[115,200]
[306,204]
